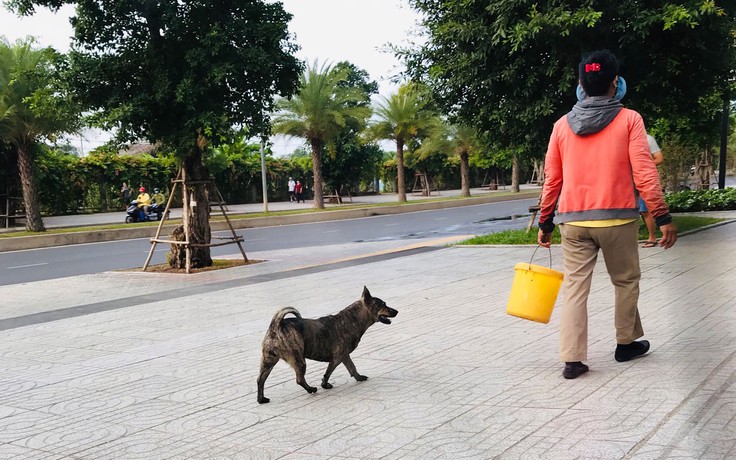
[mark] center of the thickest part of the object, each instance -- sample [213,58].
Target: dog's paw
[263,400]
[360,378]
[311,389]
[326,385]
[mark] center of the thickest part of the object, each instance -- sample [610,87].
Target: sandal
[649,244]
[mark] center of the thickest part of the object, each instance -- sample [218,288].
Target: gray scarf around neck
[592,114]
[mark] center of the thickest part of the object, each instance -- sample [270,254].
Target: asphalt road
[59,262]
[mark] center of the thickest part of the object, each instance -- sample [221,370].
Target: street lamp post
[724,143]
[263,175]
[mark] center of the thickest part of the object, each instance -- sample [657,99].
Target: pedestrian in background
[125,193]
[291,186]
[658,158]
[593,154]
[298,191]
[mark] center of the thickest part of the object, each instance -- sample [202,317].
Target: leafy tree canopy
[34,104]
[326,103]
[166,71]
[508,67]
[34,101]
[353,160]
[326,107]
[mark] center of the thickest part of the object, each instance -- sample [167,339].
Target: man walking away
[596,155]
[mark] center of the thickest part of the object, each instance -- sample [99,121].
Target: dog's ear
[366,297]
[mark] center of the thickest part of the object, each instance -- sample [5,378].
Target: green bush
[702,200]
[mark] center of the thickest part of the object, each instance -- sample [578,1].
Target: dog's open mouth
[384,319]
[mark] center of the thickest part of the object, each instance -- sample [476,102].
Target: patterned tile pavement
[452,377]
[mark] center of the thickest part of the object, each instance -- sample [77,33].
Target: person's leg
[651,227]
[649,222]
[621,254]
[579,253]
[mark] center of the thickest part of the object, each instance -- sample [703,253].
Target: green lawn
[683,223]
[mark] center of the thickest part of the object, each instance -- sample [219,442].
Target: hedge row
[702,200]
[68,184]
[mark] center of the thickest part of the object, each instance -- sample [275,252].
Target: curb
[98,236]
[706,227]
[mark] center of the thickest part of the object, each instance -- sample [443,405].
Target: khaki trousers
[580,247]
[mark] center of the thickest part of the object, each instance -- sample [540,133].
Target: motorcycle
[155,212]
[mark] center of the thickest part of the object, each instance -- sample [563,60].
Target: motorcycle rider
[159,202]
[158,198]
[144,202]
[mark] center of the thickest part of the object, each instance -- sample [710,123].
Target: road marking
[26,266]
[391,225]
[331,231]
[254,239]
[440,218]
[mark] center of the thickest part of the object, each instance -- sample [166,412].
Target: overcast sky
[326,30]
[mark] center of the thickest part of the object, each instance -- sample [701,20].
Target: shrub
[702,200]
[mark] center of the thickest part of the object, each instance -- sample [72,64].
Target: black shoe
[631,351]
[574,369]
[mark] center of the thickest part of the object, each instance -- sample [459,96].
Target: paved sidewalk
[159,374]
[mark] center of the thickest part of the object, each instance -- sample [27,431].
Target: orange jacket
[596,176]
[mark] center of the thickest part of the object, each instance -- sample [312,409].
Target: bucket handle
[535,251]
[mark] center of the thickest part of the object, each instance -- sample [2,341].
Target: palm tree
[402,117]
[465,142]
[318,112]
[31,108]
[460,140]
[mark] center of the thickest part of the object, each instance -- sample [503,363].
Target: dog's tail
[278,318]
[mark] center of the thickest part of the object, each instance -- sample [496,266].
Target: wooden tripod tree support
[490,183]
[534,209]
[12,209]
[422,185]
[537,173]
[704,176]
[235,239]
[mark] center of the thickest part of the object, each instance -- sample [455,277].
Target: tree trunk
[34,223]
[464,174]
[704,170]
[177,257]
[400,179]
[195,212]
[542,177]
[319,202]
[515,174]
[104,202]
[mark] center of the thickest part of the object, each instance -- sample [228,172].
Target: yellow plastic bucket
[534,292]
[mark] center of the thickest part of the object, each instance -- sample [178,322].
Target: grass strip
[683,224]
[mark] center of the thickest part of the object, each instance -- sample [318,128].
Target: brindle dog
[328,339]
